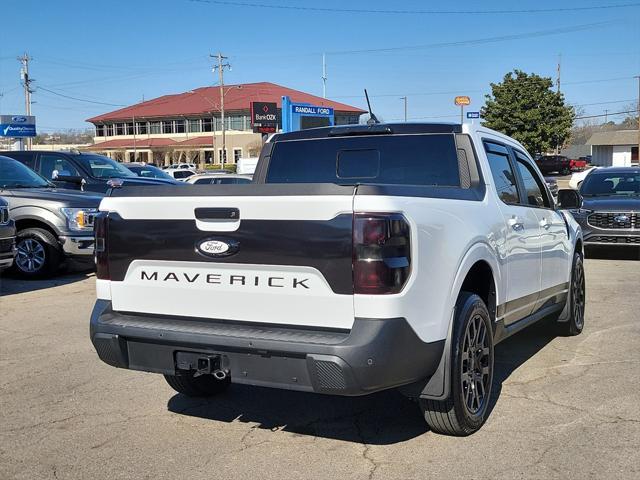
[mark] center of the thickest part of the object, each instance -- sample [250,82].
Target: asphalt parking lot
[566,407]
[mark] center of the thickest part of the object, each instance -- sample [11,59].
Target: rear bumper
[375,355]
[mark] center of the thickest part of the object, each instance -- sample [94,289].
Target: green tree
[525,107]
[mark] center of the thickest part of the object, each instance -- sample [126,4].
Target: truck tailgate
[261,253]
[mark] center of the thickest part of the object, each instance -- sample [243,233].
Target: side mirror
[569,198]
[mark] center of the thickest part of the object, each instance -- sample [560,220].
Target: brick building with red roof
[187,127]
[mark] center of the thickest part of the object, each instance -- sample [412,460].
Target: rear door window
[503,177]
[52,165]
[535,190]
[381,159]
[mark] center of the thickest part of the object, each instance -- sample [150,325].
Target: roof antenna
[372,116]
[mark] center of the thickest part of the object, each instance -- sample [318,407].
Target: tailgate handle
[212,214]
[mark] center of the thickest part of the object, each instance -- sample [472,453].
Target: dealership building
[187,127]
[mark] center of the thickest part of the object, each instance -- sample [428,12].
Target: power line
[604,103]
[81,99]
[479,41]
[415,12]
[605,115]
[457,91]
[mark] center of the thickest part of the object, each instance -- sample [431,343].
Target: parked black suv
[53,225]
[7,236]
[609,207]
[82,171]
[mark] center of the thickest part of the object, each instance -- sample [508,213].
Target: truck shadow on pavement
[379,419]
[13,285]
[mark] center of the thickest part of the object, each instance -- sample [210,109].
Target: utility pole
[26,83]
[558,91]
[606,113]
[135,149]
[220,67]
[324,76]
[558,72]
[405,107]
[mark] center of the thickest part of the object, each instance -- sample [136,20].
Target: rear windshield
[394,160]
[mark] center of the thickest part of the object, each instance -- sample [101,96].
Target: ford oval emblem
[217,247]
[19,119]
[621,218]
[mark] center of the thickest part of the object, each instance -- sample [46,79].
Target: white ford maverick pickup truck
[361,258]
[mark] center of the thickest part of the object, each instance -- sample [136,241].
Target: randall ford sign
[312,110]
[264,117]
[17,126]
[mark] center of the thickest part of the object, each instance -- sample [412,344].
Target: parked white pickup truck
[363,258]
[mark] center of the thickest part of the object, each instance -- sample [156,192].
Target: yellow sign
[462,100]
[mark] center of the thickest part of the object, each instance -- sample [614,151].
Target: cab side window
[50,163]
[503,177]
[535,192]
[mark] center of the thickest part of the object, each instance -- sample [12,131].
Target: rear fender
[438,386]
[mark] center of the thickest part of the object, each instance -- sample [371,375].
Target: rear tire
[202,386]
[576,298]
[39,253]
[471,374]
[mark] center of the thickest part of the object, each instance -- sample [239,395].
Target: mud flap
[437,386]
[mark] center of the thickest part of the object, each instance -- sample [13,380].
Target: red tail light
[381,253]
[101,231]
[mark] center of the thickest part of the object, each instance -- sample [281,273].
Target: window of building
[207,125]
[167,126]
[129,128]
[222,159]
[142,128]
[194,125]
[237,154]
[236,122]
[502,173]
[180,126]
[100,131]
[119,128]
[155,127]
[111,130]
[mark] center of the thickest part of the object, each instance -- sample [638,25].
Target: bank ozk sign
[264,117]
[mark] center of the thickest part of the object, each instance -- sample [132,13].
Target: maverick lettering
[225,279]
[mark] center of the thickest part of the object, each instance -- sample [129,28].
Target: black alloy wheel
[471,372]
[577,299]
[475,374]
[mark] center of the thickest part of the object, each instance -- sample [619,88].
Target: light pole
[220,67]
[405,107]
[220,107]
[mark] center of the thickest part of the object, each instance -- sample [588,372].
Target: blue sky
[119,51]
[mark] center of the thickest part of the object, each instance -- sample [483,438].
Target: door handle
[516,224]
